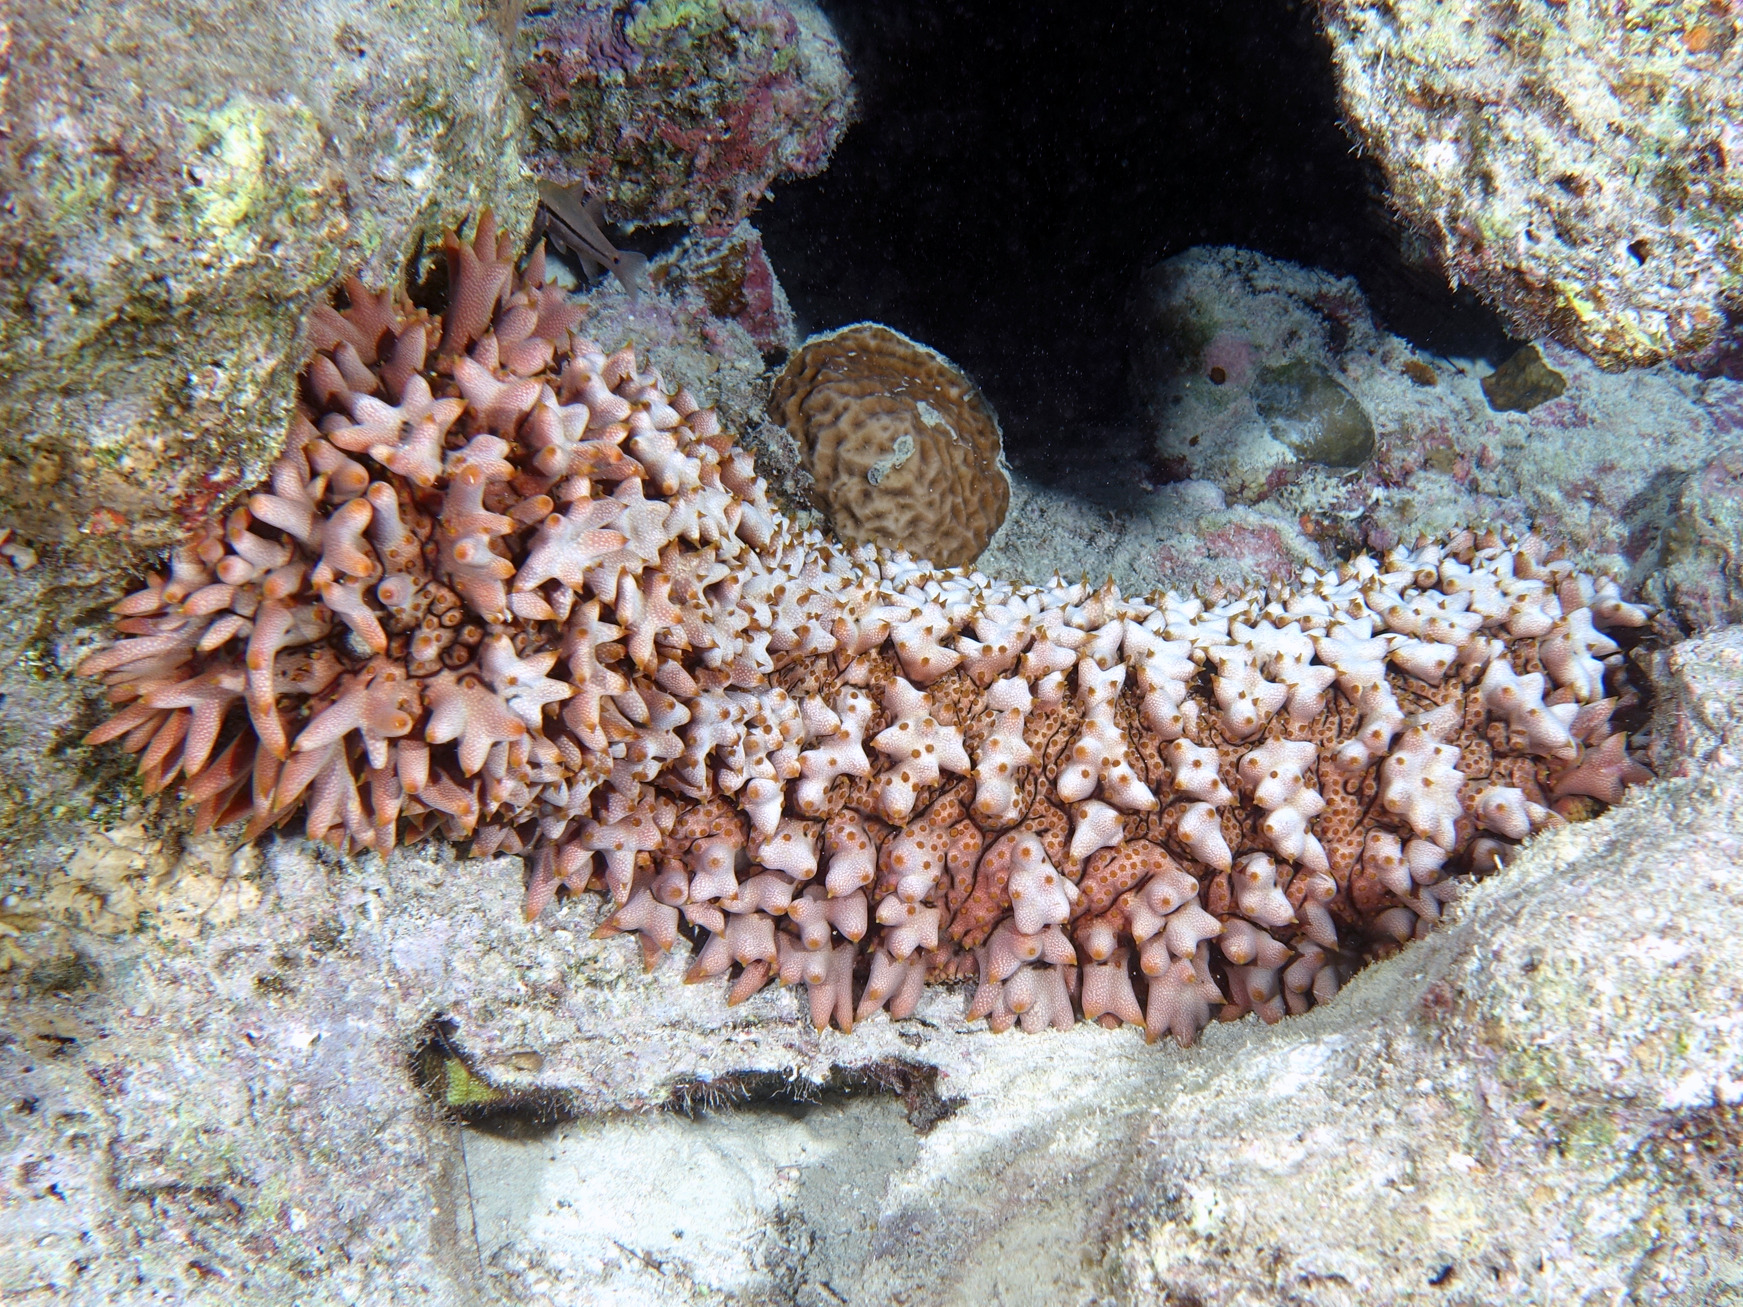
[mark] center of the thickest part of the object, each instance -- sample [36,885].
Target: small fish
[572,223]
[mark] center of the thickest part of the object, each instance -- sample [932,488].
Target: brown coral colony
[904,450]
[503,587]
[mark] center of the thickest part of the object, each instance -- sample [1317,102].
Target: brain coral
[1578,164]
[904,449]
[502,586]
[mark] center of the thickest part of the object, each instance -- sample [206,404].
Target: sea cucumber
[502,586]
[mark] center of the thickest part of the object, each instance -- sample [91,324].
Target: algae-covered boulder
[681,110]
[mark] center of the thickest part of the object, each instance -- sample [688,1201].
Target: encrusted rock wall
[681,110]
[1578,164]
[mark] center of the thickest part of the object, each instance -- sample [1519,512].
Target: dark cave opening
[1015,169]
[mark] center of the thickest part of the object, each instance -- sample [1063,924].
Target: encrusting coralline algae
[503,587]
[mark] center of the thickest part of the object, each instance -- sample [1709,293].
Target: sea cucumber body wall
[504,587]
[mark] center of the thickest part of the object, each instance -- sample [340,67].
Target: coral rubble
[905,450]
[1576,164]
[502,586]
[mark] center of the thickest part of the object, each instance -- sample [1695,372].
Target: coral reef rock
[1700,552]
[737,282]
[1601,466]
[1578,165]
[904,449]
[504,587]
[1243,370]
[208,193]
[681,110]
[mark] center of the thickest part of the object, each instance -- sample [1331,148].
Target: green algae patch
[466,1089]
[245,195]
[450,1079]
[663,16]
[234,181]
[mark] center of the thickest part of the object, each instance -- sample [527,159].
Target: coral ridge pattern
[502,586]
[904,449]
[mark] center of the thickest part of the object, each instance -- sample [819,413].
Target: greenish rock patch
[1522,383]
[1311,412]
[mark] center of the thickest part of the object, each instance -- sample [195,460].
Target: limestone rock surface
[1576,164]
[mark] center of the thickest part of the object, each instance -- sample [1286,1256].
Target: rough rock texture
[1542,1097]
[1184,534]
[1702,547]
[46,777]
[137,1079]
[681,110]
[735,279]
[1602,466]
[904,450]
[1240,370]
[1578,164]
